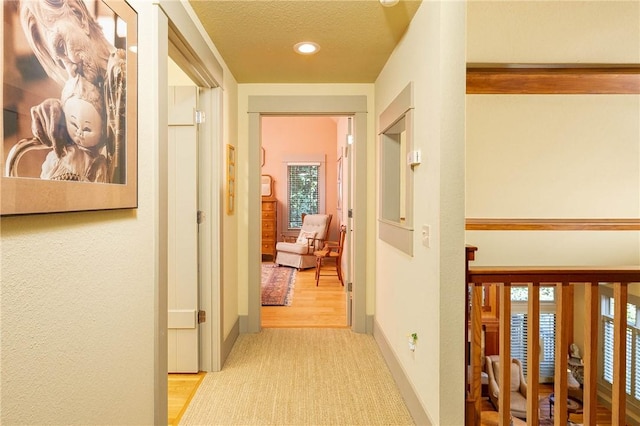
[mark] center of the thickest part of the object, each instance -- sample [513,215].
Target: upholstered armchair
[299,253]
[517,387]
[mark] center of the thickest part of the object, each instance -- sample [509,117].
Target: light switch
[426,234]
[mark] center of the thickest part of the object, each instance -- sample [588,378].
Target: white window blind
[303,197]
[519,342]
[632,335]
[637,367]
[632,365]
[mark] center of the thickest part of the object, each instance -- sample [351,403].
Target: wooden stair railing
[562,278]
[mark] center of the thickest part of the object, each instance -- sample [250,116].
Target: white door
[183,231]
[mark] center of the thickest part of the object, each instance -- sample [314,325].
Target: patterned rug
[277,285]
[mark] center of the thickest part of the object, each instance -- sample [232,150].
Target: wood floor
[181,388]
[603,415]
[321,306]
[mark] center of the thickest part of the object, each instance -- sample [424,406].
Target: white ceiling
[256,37]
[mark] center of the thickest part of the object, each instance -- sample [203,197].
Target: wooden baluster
[618,392]
[562,346]
[472,406]
[504,379]
[533,353]
[476,350]
[590,358]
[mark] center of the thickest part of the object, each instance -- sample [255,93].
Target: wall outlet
[413,337]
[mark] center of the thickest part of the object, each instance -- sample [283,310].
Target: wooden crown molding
[553,79]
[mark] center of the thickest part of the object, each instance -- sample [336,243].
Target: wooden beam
[522,224]
[557,80]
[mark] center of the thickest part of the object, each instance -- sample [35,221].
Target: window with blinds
[632,366]
[519,338]
[519,342]
[303,197]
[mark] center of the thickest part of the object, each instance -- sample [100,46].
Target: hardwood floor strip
[181,389]
[313,306]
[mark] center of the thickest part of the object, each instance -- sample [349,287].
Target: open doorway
[302,167]
[356,235]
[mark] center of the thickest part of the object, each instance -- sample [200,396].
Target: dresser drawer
[268,235]
[269,206]
[269,215]
[268,248]
[268,225]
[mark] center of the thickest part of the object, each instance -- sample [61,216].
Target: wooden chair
[331,250]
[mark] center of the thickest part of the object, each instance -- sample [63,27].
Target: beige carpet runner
[300,377]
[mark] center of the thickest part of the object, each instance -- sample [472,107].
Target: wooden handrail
[562,278]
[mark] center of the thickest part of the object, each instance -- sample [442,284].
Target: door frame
[192,54]
[355,106]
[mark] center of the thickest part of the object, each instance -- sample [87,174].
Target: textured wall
[77,304]
[415,294]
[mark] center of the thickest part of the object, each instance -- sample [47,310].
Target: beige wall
[419,294]
[552,156]
[556,31]
[78,299]
[79,292]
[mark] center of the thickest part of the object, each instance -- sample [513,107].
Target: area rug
[277,285]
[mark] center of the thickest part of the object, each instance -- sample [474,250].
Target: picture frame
[231,178]
[70,131]
[339,183]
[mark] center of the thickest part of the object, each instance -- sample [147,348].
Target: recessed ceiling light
[306,47]
[389,3]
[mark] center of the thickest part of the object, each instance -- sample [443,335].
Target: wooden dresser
[269,226]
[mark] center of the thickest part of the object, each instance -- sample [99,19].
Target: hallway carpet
[311,376]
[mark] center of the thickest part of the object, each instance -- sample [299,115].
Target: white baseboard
[420,417]
[228,343]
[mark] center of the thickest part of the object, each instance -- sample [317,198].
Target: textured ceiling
[256,37]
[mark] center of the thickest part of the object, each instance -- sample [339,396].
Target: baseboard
[370,323]
[420,417]
[228,343]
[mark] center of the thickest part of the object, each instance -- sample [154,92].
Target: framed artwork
[69,106]
[231,178]
[339,182]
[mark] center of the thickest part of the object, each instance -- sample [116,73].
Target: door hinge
[200,118]
[349,286]
[350,213]
[202,316]
[200,217]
